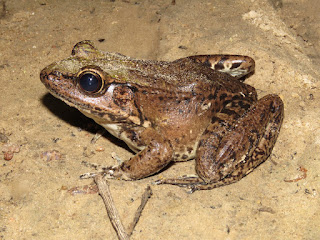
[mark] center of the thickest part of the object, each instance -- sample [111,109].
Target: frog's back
[190,74]
[184,75]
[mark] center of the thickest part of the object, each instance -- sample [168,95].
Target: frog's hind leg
[234,65]
[228,152]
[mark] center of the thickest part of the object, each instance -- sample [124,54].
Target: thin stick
[113,214]
[145,197]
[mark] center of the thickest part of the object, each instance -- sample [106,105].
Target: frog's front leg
[156,155]
[229,151]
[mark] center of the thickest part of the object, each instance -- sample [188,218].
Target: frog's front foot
[115,172]
[105,171]
[112,172]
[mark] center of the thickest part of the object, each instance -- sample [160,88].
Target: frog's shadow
[77,119]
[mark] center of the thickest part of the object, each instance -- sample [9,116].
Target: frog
[197,107]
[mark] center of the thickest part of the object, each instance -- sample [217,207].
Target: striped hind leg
[234,65]
[227,154]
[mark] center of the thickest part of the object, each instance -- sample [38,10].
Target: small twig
[113,214]
[145,197]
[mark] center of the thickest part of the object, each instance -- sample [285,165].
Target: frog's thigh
[152,159]
[235,65]
[231,156]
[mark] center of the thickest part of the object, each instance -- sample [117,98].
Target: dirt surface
[42,196]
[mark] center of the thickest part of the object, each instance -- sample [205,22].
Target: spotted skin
[196,107]
[228,151]
[234,65]
[240,137]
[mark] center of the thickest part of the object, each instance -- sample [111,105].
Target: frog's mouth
[59,85]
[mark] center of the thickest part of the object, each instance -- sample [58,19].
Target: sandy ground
[41,194]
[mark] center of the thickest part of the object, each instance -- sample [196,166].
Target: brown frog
[194,107]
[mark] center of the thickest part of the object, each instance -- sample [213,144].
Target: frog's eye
[90,82]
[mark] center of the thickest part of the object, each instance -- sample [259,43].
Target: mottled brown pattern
[195,107]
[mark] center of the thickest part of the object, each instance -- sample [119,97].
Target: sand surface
[41,195]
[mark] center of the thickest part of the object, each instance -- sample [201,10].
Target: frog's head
[93,82]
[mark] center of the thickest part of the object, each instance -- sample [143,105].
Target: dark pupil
[90,82]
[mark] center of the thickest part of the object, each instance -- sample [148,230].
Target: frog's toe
[184,181]
[117,158]
[112,172]
[191,189]
[190,185]
[108,172]
[157,182]
[88,175]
